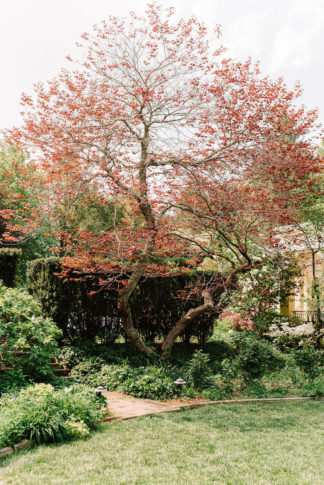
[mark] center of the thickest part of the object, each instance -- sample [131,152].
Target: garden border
[185,406]
[246,401]
[7,451]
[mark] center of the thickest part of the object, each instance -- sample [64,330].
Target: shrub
[119,368]
[256,389]
[314,388]
[155,304]
[199,372]
[216,393]
[278,391]
[145,382]
[77,429]
[68,302]
[9,258]
[28,340]
[150,383]
[71,355]
[255,357]
[11,380]
[310,360]
[42,414]
[292,333]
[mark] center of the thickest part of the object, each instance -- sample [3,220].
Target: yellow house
[301,304]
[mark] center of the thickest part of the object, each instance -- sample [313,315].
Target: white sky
[287,36]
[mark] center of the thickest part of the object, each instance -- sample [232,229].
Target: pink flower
[239,322]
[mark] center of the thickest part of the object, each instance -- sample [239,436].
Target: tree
[30,217]
[152,110]
[19,193]
[307,233]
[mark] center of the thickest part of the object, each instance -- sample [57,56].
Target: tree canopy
[194,146]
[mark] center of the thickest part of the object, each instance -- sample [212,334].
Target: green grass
[252,444]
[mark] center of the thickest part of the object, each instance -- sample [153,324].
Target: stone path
[122,406]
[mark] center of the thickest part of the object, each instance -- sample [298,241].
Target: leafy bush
[42,414]
[215,393]
[9,258]
[155,303]
[119,368]
[87,368]
[257,295]
[199,372]
[28,341]
[71,355]
[255,357]
[11,380]
[256,389]
[278,391]
[314,387]
[310,360]
[292,334]
[150,383]
[145,382]
[151,380]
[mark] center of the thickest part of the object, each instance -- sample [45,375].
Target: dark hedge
[155,304]
[8,264]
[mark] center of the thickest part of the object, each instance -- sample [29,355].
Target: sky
[286,36]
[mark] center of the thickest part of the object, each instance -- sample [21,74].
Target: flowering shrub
[255,302]
[239,322]
[287,336]
[283,328]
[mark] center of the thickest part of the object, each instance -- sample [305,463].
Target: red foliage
[189,142]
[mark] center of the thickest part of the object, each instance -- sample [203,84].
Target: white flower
[284,329]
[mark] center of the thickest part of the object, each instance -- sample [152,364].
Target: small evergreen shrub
[9,258]
[155,303]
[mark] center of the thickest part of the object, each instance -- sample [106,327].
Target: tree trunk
[184,321]
[126,316]
[124,294]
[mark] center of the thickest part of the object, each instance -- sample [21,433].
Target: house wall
[300,301]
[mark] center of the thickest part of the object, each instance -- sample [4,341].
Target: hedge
[155,304]
[8,264]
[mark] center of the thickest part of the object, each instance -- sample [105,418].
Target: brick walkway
[122,406]
[125,407]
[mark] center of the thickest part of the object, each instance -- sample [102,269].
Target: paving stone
[125,407]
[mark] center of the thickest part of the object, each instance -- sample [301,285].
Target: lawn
[277,443]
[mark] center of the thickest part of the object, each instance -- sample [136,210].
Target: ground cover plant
[278,443]
[42,414]
[244,365]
